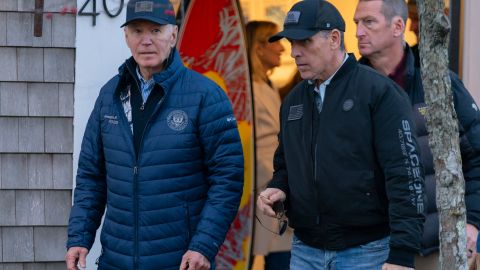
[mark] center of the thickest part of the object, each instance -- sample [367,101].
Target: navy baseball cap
[156,11]
[307,17]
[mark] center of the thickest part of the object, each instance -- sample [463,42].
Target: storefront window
[275,11]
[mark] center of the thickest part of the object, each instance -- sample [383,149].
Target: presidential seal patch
[177,120]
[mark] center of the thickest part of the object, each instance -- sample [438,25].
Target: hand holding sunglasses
[270,202]
[267,198]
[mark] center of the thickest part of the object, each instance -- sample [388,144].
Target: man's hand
[266,199]
[388,266]
[472,234]
[193,260]
[75,256]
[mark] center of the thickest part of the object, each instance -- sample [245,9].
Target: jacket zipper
[135,187]
[315,159]
[135,207]
[315,187]
[129,133]
[135,171]
[135,180]
[187,216]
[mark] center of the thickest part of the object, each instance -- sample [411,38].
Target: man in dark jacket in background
[162,152]
[346,166]
[380,34]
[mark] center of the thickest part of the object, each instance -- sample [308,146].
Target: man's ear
[398,26]
[174,35]
[335,37]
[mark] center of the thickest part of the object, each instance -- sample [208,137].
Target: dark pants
[278,261]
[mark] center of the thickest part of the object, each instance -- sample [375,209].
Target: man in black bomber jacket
[347,166]
[380,34]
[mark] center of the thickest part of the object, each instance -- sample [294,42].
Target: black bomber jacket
[352,173]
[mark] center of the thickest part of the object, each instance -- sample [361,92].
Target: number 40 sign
[108,10]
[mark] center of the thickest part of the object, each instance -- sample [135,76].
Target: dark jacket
[340,168]
[469,124]
[181,191]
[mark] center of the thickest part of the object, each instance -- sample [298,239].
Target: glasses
[280,215]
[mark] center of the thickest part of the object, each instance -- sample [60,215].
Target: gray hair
[325,33]
[392,8]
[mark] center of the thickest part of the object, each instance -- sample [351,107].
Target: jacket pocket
[187,223]
[97,261]
[359,199]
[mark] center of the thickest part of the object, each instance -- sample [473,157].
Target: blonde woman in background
[270,239]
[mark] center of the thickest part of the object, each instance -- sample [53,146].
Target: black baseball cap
[156,11]
[307,17]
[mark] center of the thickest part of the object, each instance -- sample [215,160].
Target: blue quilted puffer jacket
[180,193]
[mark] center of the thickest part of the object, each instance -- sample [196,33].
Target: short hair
[324,34]
[392,8]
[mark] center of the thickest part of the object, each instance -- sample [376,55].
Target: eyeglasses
[280,215]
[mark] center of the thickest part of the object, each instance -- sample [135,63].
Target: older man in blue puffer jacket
[162,152]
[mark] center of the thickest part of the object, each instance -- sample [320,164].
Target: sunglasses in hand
[279,210]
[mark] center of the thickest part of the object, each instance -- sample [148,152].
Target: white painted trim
[100,50]
[471,45]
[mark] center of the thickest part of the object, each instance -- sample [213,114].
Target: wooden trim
[38,19]
[456,36]
[461,38]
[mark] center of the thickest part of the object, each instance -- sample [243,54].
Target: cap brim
[147,18]
[293,34]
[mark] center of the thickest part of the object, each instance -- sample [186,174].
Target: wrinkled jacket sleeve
[397,154]
[469,117]
[223,158]
[280,173]
[90,191]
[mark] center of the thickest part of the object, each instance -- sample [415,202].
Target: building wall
[471,45]
[36,133]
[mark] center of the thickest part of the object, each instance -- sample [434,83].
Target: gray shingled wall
[36,134]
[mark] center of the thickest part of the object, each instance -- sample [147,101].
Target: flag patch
[144,6]
[295,112]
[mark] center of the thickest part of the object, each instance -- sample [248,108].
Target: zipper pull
[142,107]
[135,170]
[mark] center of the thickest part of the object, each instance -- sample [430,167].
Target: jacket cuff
[473,223]
[280,184]
[471,203]
[70,244]
[207,252]
[401,257]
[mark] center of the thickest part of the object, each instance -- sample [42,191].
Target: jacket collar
[409,64]
[349,64]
